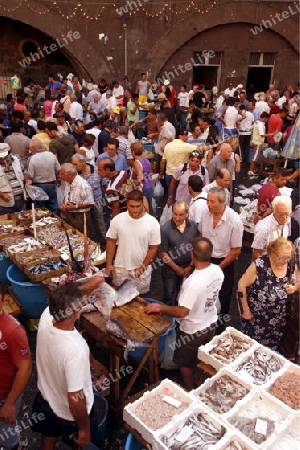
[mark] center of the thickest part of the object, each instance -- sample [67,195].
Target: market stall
[138,326]
[252,402]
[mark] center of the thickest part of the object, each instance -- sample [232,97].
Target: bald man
[221,161]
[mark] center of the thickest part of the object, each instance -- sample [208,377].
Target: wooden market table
[273,163]
[140,326]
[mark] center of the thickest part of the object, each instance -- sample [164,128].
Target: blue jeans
[51,190]
[228,132]
[148,193]
[172,284]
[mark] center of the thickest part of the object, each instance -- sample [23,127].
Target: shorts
[142,283]
[186,351]
[54,426]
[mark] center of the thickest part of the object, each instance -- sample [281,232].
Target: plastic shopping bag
[36,193]
[166,214]
[158,191]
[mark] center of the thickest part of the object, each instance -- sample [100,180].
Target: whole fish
[114,327]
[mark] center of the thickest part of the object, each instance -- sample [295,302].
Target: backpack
[185,168]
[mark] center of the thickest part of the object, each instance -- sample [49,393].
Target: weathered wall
[155,43]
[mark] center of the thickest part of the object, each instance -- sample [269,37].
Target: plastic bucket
[148,147]
[5,262]
[138,353]
[132,443]
[101,407]
[32,296]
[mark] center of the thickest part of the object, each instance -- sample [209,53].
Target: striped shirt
[94,181]
[112,193]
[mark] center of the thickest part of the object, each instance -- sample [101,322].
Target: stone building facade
[204,41]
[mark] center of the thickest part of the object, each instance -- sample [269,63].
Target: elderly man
[222,180]
[174,251]
[78,198]
[90,174]
[65,394]
[18,143]
[221,161]
[75,111]
[224,228]
[115,199]
[15,371]
[196,311]
[279,223]
[11,181]
[132,251]
[43,169]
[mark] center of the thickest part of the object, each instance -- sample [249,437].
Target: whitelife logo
[279,17]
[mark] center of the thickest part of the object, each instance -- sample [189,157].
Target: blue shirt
[120,162]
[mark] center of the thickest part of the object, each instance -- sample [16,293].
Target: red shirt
[14,347]
[265,196]
[274,123]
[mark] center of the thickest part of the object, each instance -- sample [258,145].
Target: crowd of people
[87,155]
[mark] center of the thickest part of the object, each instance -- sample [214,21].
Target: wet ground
[116,435]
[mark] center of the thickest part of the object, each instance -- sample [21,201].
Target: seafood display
[287,389]
[260,366]
[200,434]
[27,245]
[60,238]
[10,228]
[13,239]
[45,221]
[249,427]
[228,347]
[47,266]
[46,231]
[26,259]
[234,445]
[26,216]
[223,394]
[155,412]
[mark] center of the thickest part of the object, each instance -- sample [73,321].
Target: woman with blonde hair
[263,293]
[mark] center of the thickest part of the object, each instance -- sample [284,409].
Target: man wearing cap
[169,92]
[11,181]
[108,100]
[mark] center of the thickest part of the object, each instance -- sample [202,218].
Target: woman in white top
[87,148]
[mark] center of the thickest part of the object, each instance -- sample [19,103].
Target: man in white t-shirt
[197,309]
[198,204]
[137,235]
[75,111]
[65,398]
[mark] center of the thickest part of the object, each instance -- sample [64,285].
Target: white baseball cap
[4,149]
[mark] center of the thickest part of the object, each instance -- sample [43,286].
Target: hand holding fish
[153,308]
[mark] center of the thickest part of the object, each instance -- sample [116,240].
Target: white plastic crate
[288,368]
[174,391]
[210,381]
[242,373]
[213,360]
[260,405]
[236,437]
[288,439]
[179,424]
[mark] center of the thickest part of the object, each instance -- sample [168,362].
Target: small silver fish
[114,327]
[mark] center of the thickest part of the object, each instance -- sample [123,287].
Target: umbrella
[291,150]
